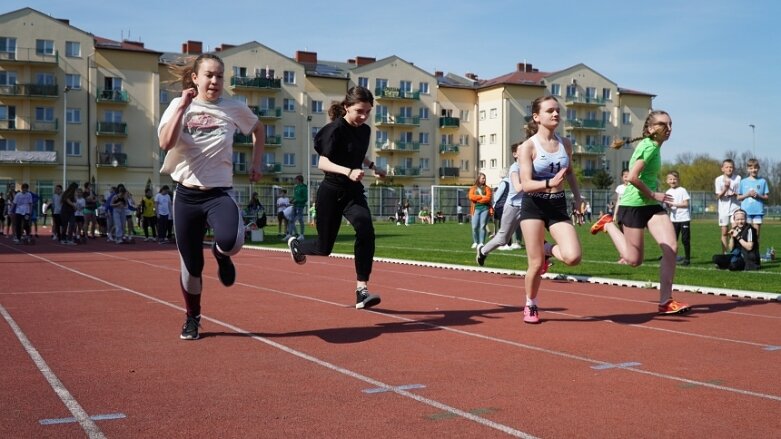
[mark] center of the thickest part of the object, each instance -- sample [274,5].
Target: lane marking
[615,366]
[384,390]
[73,406]
[108,417]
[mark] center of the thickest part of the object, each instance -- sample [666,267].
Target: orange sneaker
[599,226]
[673,307]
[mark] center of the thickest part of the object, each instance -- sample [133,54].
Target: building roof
[125,45]
[534,78]
[628,91]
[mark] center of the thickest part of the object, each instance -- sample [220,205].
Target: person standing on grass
[727,186]
[680,214]
[544,161]
[197,132]
[753,193]
[511,212]
[342,145]
[481,196]
[640,207]
[300,194]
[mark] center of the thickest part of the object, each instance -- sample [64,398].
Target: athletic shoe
[531,315]
[226,271]
[480,257]
[599,226]
[364,299]
[474,245]
[674,307]
[505,248]
[190,328]
[516,246]
[295,251]
[548,249]
[684,262]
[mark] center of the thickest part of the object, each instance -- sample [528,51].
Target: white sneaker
[474,245]
[515,246]
[505,248]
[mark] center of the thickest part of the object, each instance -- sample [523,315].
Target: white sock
[531,302]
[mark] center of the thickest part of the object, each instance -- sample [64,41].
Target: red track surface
[285,354]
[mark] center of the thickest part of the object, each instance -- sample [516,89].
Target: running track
[90,348]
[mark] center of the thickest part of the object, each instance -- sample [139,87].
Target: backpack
[499,204]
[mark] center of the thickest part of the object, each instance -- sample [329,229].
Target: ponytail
[647,133]
[184,68]
[354,95]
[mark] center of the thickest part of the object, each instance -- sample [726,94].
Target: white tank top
[547,164]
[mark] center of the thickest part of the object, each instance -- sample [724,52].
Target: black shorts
[550,208]
[637,217]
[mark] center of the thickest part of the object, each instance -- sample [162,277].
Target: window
[447,163]
[464,115]
[239,161]
[112,116]
[405,137]
[423,138]
[464,165]
[7,145]
[606,117]
[607,94]
[493,163]
[572,91]
[289,132]
[482,164]
[482,114]
[591,92]
[406,163]
[289,77]
[405,112]
[493,113]
[73,81]
[313,160]
[165,97]
[7,48]
[112,148]
[446,139]
[44,114]
[625,164]
[463,140]
[380,83]
[405,86]
[555,89]
[271,131]
[289,104]
[44,79]
[382,137]
[424,88]
[268,103]
[269,158]
[7,78]
[44,145]
[606,140]
[289,159]
[626,118]
[571,114]
[241,72]
[481,140]
[314,131]
[73,115]
[44,47]
[424,114]
[424,164]
[262,73]
[72,147]
[591,115]
[363,82]
[317,106]
[493,139]
[73,49]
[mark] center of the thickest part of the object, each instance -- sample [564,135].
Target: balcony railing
[262,83]
[267,113]
[401,171]
[397,146]
[449,172]
[29,157]
[240,168]
[20,124]
[449,122]
[585,100]
[114,159]
[585,124]
[115,96]
[28,54]
[274,141]
[112,129]
[579,148]
[272,168]
[448,148]
[29,90]
[397,120]
[395,93]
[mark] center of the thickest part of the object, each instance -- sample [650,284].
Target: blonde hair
[184,69]
[646,130]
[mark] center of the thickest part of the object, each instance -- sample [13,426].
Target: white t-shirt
[282,203]
[80,204]
[23,203]
[728,203]
[203,155]
[163,204]
[620,191]
[679,214]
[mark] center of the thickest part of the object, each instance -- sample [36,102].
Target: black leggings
[682,230]
[192,210]
[333,202]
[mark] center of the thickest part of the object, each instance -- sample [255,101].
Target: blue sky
[712,64]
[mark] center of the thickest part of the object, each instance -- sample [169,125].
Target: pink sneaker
[530,314]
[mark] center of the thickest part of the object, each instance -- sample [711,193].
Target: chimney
[351,61]
[363,60]
[224,46]
[438,74]
[192,47]
[471,76]
[304,57]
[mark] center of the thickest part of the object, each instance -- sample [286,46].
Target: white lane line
[376,383]
[21,293]
[87,424]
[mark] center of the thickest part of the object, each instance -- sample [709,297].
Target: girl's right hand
[187,96]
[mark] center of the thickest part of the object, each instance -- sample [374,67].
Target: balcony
[449,172]
[397,146]
[584,100]
[272,168]
[28,157]
[112,96]
[113,159]
[112,129]
[274,141]
[24,125]
[449,122]
[267,113]
[394,93]
[240,168]
[269,84]
[29,55]
[29,91]
[585,124]
[401,171]
[385,120]
[448,148]
[242,139]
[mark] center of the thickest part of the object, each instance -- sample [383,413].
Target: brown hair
[646,130]
[531,127]
[477,180]
[752,162]
[354,95]
[514,146]
[184,69]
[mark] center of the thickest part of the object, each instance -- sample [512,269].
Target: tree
[602,179]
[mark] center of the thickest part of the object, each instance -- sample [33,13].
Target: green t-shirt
[299,195]
[649,152]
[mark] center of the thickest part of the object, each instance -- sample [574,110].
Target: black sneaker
[480,257]
[364,299]
[295,252]
[190,328]
[225,271]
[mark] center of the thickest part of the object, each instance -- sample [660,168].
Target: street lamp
[753,140]
[308,163]
[65,137]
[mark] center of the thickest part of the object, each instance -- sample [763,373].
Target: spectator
[300,194]
[424,215]
[743,246]
[282,203]
[727,186]
[163,210]
[480,195]
[753,194]
[148,215]
[680,215]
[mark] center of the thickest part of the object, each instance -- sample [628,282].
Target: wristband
[547,183]
[371,165]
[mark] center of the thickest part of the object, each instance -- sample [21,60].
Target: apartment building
[64,90]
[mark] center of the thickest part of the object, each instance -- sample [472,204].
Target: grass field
[450,243]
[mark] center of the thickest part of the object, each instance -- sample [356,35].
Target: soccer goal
[446,199]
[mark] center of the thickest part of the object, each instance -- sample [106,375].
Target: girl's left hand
[255,174]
